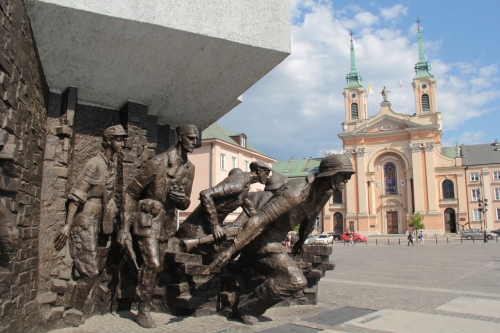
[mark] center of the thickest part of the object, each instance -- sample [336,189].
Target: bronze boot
[143,318]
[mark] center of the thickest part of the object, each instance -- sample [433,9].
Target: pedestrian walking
[287,241]
[350,240]
[410,239]
[421,238]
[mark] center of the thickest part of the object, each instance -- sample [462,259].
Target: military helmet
[333,164]
[234,171]
[274,182]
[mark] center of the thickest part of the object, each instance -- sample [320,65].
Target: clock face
[353,96]
[424,86]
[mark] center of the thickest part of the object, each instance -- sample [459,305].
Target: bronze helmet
[335,163]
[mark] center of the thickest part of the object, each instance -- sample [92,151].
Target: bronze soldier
[149,206]
[260,198]
[92,213]
[218,201]
[298,201]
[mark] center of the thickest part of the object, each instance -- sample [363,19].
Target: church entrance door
[392,222]
[450,224]
[338,223]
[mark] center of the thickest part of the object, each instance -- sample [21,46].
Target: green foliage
[416,221]
[296,228]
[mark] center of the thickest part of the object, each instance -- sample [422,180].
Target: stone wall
[23,121]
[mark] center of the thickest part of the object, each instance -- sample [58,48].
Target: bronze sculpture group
[148,215]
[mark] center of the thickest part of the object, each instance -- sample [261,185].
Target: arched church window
[448,189]
[354,111]
[391,178]
[426,105]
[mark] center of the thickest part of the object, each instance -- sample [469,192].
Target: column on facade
[432,200]
[461,194]
[349,204]
[361,177]
[372,197]
[416,161]
[488,216]
[408,175]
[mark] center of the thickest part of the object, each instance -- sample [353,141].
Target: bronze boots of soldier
[144,293]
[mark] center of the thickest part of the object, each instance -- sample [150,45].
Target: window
[391,179]
[337,197]
[475,195]
[286,171]
[305,169]
[234,162]
[476,215]
[498,213]
[354,111]
[223,161]
[448,189]
[316,224]
[474,177]
[426,106]
[243,142]
[315,168]
[247,164]
[496,175]
[497,194]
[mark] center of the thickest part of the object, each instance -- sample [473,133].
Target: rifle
[192,243]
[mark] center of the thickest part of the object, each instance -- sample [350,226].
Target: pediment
[386,124]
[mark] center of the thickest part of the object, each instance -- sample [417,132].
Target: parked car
[335,235]
[496,232]
[355,237]
[310,240]
[477,234]
[324,239]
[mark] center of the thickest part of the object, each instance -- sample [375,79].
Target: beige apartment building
[220,152]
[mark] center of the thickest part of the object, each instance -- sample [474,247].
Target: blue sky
[297,109]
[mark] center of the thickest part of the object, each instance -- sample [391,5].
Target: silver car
[477,234]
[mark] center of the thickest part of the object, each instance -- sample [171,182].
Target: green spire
[353,78]
[422,67]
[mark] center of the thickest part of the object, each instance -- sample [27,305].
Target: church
[401,167]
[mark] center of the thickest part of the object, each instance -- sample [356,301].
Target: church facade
[401,167]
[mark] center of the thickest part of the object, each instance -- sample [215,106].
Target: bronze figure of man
[297,201]
[91,214]
[218,201]
[149,206]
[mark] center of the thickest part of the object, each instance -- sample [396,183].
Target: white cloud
[297,109]
[393,12]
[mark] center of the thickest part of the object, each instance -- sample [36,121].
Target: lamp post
[483,203]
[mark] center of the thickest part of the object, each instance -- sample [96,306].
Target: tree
[416,221]
[296,228]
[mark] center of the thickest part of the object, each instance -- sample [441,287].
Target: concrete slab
[338,316]
[188,61]
[473,306]
[291,328]
[413,322]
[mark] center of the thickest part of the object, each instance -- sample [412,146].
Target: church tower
[424,84]
[354,93]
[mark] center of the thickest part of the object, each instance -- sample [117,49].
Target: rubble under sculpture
[206,267]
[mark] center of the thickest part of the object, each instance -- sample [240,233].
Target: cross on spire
[351,34]
[418,23]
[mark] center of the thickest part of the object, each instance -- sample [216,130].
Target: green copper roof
[422,67]
[450,152]
[299,168]
[353,78]
[217,131]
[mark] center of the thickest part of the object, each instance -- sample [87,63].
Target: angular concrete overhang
[188,61]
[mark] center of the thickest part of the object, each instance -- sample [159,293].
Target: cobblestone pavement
[413,279]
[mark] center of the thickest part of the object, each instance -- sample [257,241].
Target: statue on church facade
[91,214]
[385,93]
[150,205]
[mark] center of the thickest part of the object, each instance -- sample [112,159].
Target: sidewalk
[397,289]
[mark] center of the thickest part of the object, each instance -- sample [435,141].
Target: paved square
[410,283]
